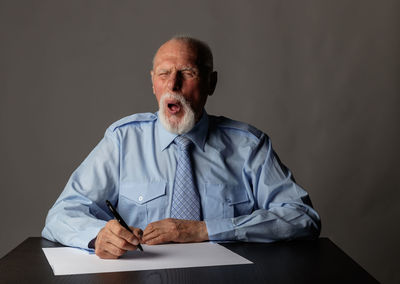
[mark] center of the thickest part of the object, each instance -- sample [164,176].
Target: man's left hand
[175,230]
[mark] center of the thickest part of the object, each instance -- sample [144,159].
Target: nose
[175,82]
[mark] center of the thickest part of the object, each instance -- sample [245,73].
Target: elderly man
[180,175]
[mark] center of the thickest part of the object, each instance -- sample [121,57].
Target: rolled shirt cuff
[220,230]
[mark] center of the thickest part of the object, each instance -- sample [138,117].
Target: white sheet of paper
[67,260]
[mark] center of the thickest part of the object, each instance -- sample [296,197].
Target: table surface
[319,261]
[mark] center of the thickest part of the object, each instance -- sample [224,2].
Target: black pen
[120,220]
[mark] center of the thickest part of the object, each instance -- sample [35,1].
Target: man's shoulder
[134,119]
[235,127]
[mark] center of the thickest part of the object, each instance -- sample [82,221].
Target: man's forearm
[266,226]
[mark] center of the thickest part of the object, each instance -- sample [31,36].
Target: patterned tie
[185,200]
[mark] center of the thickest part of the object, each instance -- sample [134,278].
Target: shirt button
[140,198]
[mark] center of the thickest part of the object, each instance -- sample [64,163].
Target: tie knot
[182,142]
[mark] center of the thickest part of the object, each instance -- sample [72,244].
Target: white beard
[173,123]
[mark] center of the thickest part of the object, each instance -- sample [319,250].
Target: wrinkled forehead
[175,52]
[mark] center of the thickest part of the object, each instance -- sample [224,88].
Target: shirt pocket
[143,202]
[225,201]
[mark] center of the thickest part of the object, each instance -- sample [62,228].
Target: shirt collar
[198,134]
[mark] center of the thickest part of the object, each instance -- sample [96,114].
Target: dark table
[319,261]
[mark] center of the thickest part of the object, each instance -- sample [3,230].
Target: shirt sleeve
[80,211]
[282,209]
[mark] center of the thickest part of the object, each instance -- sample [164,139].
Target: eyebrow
[189,68]
[184,68]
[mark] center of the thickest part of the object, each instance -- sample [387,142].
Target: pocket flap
[230,193]
[142,192]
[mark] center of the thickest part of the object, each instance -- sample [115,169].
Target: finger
[107,235]
[160,239]
[138,233]
[158,236]
[120,242]
[107,250]
[149,236]
[105,255]
[149,229]
[110,248]
[123,233]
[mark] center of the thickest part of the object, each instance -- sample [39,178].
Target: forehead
[175,53]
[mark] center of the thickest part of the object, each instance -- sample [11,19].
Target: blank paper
[67,260]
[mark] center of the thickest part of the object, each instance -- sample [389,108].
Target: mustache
[175,96]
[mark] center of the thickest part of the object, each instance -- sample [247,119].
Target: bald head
[202,52]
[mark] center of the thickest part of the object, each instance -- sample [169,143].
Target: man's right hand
[114,240]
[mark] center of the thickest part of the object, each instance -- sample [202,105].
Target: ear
[152,82]
[212,82]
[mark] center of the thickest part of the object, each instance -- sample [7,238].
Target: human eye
[189,73]
[162,73]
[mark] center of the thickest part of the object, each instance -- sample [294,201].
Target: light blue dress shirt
[246,193]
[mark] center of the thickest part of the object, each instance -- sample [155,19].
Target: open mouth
[174,107]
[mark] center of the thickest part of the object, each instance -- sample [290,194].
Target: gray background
[320,77]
